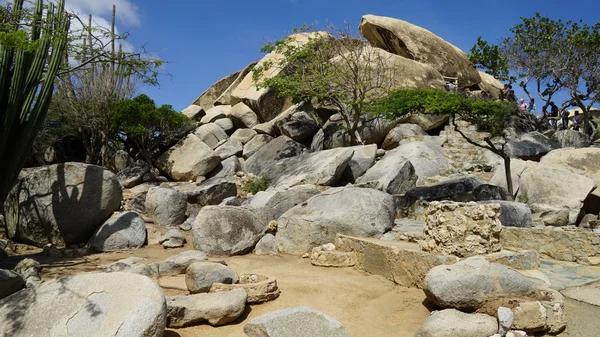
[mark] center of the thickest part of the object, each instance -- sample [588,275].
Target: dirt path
[367,305]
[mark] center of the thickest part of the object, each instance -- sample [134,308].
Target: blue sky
[205,40]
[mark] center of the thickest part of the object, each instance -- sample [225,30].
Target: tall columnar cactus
[27,74]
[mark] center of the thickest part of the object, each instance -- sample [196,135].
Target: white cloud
[127,12]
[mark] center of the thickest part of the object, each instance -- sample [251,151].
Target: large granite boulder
[400,132]
[230,148]
[585,162]
[122,231]
[470,284]
[457,189]
[95,304]
[273,203]
[490,84]
[226,230]
[266,101]
[512,213]
[527,150]
[194,112]
[227,168]
[189,159]
[353,211]
[427,122]
[215,308]
[277,149]
[211,192]
[294,322]
[211,134]
[490,192]
[418,44]
[427,158]
[318,168]
[242,116]
[454,323]
[215,113]
[556,186]
[392,174]
[61,204]
[255,144]
[207,99]
[362,160]
[133,175]
[225,97]
[10,283]
[166,206]
[243,135]
[199,276]
[571,138]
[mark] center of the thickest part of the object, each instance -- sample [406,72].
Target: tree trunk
[508,174]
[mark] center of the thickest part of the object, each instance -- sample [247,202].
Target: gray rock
[166,206]
[3,255]
[215,308]
[94,304]
[173,239]
[61,204]
[122,231]
[242,116]
[243,135]
[194,112]
[453,323]
[394,176]
[226,124]
[548,215]
[319,168]
[189,159]
[226,230]
[179,263]
[211,134]
[10,283]
[353,211]
[137,204]
[277,149]
[400,132]
[132,176]
[214,113]
[527,150]
[362,160]
[300,130]
[490,192]
[117,163]
[211,192]
[505,320]
[227,168]
[427,158]
[294,322]
[571,138]
[30,270]
[255,144]
[199,276]
[273,203]
[456,189]
[513,214]
[232,201]
[469,284]
[131,265]
[538,138]
[230,148]
[266,246]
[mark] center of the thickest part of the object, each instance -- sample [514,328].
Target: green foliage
[331,67]
[31,51]
[488,115]
[258,184]
[145,127]
[557,55]
[489,59]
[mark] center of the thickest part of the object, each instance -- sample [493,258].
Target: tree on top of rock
[554,56]
[334,68]
[488,116]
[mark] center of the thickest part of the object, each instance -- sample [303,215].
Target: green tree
[490,59]
[488,116]
[556,55]
[31,50]
[333,67]
[145,128]
[95,76]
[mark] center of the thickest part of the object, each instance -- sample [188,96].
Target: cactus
[27,77]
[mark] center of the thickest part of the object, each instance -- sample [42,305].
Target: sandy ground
[366,305]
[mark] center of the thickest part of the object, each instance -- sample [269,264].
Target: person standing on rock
[522,105]
[576,120]
[565,118]
[553,114]
[532,107]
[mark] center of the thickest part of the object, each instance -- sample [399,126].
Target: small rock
[266,246]
[179,263]
[505,320]
[201,275]
[215,308]
[173,239]
[516,333]
[294,322]
[122,231]
[453,323]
